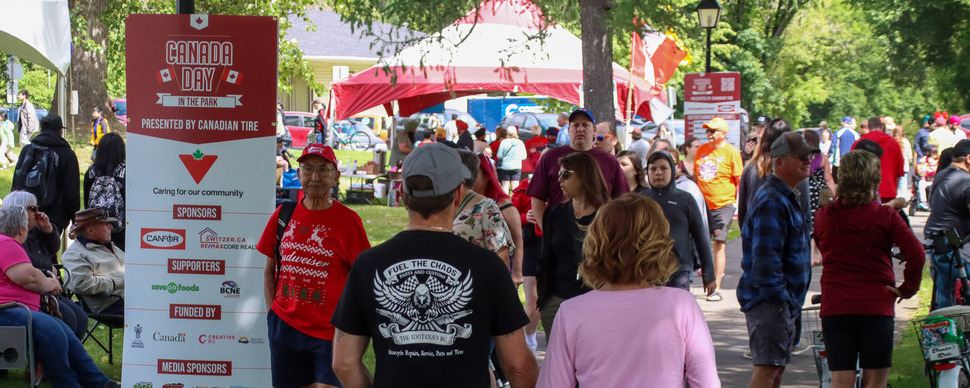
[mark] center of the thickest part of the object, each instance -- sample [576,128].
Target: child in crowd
[926,169]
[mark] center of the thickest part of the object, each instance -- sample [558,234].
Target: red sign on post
[710,95]
[189,77]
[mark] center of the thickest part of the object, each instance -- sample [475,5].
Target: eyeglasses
[321,170]
[603,137]
[32,208]
[804,158]
[565,174]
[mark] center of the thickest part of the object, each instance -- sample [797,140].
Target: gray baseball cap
[439,163]
[791,144]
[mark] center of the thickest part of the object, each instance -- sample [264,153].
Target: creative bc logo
[162,238]
[229,289]
[215,338]
[198,164]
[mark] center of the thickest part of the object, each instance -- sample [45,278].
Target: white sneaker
[746,355]
[801,347]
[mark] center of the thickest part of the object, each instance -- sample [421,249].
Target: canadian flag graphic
[165,75]
[231,76]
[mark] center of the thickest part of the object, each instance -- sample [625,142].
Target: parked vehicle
[299,124]
[525,121]
[649,130]
[120,107]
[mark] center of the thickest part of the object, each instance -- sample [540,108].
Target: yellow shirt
[718,172]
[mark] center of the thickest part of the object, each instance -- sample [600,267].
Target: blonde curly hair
[859,177]
[628,242]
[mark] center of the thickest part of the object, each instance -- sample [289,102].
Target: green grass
[907,370]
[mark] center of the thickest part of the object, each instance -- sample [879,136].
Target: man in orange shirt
[718,170]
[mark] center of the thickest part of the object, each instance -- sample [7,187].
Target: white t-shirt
[512,152]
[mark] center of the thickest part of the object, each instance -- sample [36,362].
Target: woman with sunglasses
[42,243]
[563,229]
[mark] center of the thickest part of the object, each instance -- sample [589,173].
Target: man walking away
[950,204]
[776,261]
[54,174]
[431,309]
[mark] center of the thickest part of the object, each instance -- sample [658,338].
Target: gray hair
[19,198]
[12,219]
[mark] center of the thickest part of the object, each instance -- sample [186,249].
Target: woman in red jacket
[855,235]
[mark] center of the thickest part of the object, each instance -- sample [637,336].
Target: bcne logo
[162,238]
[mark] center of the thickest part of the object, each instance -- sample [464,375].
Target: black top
[562,251]
[950,201]
[42,248]
[68,179]
[430,308]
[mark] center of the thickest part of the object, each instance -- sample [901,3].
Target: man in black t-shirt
[431,301]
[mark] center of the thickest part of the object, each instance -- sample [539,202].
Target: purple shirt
[545,179]
[652,337]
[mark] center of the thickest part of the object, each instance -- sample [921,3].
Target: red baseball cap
[320,150]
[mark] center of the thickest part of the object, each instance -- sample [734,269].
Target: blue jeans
[945,275]
[66,363]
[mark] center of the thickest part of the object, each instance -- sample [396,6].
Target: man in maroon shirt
[891,160]
[544,187]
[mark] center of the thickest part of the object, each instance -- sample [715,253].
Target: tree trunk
[89,68]
[598,88]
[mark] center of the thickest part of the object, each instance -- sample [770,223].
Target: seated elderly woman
[43,242]
[65,362]
[96,265]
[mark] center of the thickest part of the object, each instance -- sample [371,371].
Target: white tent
[40,32]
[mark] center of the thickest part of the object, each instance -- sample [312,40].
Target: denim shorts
[771,332]
[296,358]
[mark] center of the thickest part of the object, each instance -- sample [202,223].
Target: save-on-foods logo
[173,287]
[198,164]
[197,212]
[229,289]
[195,367]
[162,238]
[197,266]
[195,311]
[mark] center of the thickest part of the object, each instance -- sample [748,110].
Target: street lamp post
[708,13]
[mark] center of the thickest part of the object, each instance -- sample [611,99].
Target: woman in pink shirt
[629,331]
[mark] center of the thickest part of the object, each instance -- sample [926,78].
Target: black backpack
[286,212]
[38,174]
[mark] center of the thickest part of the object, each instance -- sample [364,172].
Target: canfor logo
[162,238]
[198,164]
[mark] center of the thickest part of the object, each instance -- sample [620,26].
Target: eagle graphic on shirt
[707,167]
[420,302]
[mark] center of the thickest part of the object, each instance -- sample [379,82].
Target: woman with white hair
[66,363]
[42,243]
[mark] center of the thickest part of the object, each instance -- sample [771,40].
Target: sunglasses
[603,137]
[565,174]
[804,158]
[712,130]
[32,208]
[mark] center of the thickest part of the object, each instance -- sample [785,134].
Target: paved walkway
[730,334]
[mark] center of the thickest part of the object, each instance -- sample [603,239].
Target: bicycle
[950,242]
[347,135]
[946,350]
[813,324]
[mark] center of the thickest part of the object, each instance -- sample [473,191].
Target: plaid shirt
[775,245]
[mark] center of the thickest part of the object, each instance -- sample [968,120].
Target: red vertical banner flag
[655,57]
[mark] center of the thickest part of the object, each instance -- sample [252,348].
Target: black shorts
[771,333]
[532,244]
[509,175]
[297,359]
[868,338]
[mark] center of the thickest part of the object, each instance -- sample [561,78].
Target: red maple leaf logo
[198,21]
[198,164]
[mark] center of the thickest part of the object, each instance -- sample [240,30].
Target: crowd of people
[44,204]
[605,240]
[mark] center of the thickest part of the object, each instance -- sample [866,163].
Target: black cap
[962,148]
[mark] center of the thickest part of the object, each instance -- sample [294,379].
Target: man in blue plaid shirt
[776,261]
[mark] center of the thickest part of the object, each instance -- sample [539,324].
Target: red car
[299,124]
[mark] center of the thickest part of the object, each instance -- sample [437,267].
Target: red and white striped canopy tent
[487,50]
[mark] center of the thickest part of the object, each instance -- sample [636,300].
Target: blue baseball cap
[847,119]
[581,111]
